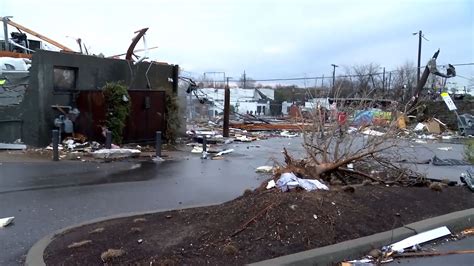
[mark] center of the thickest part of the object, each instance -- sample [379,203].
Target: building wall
[93,73]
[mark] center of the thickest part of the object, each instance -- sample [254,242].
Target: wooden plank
[40,36]
[15,55]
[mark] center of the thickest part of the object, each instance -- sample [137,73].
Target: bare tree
[246,82]
[404,82]
[330,148]
[366,79]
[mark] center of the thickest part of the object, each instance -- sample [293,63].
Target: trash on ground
[372,132]
[288,181]
[433,126]
[264,169]
[468,178]
[446,162]
[115,153]
[419,127]
[196,149]
[445,148]
[288,134]
[6,221]
[271,184]
[224,152]
[419,239]
[157,159]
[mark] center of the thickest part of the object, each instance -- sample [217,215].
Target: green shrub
[173,124]
[117,102]
[469,150]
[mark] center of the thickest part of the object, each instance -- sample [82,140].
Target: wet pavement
[47,196]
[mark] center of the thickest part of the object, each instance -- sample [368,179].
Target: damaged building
[44,90]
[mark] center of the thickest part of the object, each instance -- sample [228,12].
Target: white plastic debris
[243,139]
[264,169]
[419,239]
[315,216]
[289,181]
[419,127]
[445,148]
[371,132]
[288,134]
[350,166]
[157,159]
[6,221]
[140,241]
[115,153]
[224,152]
[447,137]
[196,149]
[351,130]
[419,141]
[271,184]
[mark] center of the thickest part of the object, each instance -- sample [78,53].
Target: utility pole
[334,78]
[225,130]
[420,35]
[245,80]
[383,79]
[389,80]
[322,81]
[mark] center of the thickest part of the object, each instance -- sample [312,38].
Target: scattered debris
[445,162]
[264,169]
[97,230]
[224,152]
[419,127]
[468,178]
[445,148]
[79,244]
[417,239]
[371,132]
[115,153]
[288,134]
[197,149]
[6,221]
[288,181]
[110,254]
[140,241]
[271,184]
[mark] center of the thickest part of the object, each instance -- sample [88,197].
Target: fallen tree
[356,140]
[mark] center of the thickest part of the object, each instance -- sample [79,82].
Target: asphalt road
[46,196]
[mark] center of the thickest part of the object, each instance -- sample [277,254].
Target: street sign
[449,102]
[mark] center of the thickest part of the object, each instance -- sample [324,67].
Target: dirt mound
[257,226]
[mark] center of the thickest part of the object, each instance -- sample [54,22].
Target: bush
[117,102]
[469,150]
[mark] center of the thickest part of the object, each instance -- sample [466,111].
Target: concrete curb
[359,247]
[34,257]
[319,256]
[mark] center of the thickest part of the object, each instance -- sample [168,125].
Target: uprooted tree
[366,149]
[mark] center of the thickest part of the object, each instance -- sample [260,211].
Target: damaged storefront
[58,90]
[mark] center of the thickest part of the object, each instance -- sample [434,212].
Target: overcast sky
[268,39]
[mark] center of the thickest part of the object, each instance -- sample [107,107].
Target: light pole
[334,77]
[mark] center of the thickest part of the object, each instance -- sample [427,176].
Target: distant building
[242,101]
